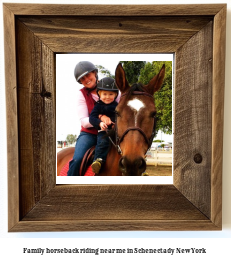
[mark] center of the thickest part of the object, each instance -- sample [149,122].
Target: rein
[119,140]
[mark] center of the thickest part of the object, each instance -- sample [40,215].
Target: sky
[67,87]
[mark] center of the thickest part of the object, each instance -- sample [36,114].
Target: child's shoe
[96,166]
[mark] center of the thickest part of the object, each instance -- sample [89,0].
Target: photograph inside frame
[114,118]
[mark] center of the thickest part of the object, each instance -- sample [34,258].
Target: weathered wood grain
[130,207]
[114,225]
[193,113]
[115,34]
[115,10]
[114,202]
[219,45]
[36,108]
[11,117]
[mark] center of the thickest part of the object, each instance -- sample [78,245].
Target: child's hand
[103,125]
[106,120]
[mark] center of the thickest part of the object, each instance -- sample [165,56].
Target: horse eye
[117,113]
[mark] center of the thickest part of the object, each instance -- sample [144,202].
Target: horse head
[135,121]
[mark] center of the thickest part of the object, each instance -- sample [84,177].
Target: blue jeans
[102,147]
[84,142]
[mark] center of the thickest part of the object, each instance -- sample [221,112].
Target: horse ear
[120,79]
[156,82]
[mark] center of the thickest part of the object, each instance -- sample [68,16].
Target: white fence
[155,157]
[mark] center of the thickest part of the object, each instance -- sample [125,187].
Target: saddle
[87,160]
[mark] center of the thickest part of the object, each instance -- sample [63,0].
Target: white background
[217,243]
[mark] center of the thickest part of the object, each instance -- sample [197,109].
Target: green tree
[158,141]
[163,98]
[104,71]
[132,70]
[71,138]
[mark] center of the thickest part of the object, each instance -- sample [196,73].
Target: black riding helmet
[83,68]
[107,84]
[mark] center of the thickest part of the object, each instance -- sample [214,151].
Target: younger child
[107,91]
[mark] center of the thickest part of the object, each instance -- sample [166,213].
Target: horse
[134,127]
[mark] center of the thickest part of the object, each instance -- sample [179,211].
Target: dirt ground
[159,170]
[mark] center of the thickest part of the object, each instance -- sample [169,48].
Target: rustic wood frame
[33,34]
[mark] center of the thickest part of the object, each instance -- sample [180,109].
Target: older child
[108,92]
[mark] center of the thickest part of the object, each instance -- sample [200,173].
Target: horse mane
[135,87]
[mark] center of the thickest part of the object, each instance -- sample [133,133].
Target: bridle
[118,139]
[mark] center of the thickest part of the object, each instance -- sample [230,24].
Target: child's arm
[94,118]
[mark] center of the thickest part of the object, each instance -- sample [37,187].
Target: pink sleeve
[82,110]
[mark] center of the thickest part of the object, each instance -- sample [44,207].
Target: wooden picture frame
[33,34]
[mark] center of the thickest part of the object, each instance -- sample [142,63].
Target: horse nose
[132,168]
